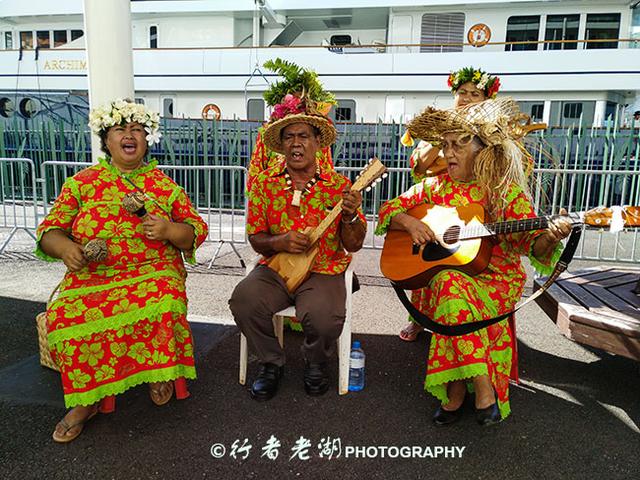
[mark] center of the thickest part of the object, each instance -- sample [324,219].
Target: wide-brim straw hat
[272,132]
[492,121]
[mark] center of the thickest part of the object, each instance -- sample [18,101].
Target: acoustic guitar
[294,268]
[464,241]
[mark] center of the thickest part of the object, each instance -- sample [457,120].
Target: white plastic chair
[344,341]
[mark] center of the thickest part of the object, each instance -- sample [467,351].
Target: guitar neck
[513,226]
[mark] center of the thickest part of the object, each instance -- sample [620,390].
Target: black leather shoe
[266,383]
[444,417]
[316,378]
[488,416]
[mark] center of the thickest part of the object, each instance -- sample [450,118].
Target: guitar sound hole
[435,251]
[451,235]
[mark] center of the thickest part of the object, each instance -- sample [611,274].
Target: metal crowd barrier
[217,192]
[18,206]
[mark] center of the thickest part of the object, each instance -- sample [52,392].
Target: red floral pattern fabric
[453,297]
[271,211]
[120,322]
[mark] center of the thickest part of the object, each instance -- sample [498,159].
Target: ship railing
[424,47]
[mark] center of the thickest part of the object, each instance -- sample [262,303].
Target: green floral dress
[453,297]
[120,322]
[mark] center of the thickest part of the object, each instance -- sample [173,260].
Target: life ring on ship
[479,35]
[208,108]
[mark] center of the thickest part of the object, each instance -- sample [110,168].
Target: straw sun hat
[501,126]
[272,135]
[492,121]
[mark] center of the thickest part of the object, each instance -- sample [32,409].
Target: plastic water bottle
[356,368]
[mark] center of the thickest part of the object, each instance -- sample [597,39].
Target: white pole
[599,116]
[107,31]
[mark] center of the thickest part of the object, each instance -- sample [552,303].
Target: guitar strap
[464,329]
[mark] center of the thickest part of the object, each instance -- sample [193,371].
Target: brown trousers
[320,307]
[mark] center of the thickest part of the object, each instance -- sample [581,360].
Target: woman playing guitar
[486,165]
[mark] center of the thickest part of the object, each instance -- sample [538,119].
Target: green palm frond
[295,79]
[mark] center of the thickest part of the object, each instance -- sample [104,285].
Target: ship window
[139,100]
[340,40]
[537,111]
[522,29]
[255,109]
[26,40]
[167,107]
[572,110]
[442,28]
[44,40]
[6,107]
[562,27]
[75,34]
[59,38]
[28,107]
[153,36]
[343,111]
[601,26]
[343,114]
[8,40]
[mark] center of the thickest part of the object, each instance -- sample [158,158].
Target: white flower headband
[120,112]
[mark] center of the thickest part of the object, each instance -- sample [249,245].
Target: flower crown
[121,112]
[488,83]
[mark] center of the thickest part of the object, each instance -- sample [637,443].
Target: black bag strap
[464,329]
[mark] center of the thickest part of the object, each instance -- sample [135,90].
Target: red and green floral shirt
[271,211]
[262,159]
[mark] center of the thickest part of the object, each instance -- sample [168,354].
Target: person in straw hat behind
[486,164]
[285,201]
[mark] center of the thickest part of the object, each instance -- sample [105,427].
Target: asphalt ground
[575,414]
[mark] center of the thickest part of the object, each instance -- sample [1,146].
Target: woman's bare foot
[485,396]
[456,392]
[410,332]
[70,427]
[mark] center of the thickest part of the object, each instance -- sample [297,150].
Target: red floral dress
[453,297]
[120,322]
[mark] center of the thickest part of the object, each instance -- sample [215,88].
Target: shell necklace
[297,194]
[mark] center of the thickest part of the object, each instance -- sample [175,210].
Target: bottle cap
[356,344]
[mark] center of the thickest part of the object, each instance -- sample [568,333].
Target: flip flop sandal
[410,333]
[157,395]
[64,438]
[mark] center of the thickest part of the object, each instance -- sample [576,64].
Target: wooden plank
[611,320]
[620,278]
[626,291]
[605,340]
[607,297]
[582,295]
